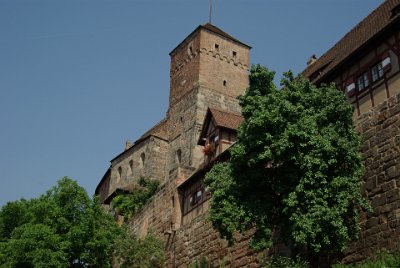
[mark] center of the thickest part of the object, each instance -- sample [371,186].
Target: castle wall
[189,242]
[380,229]
[146,159]
[184,70]
[223,69]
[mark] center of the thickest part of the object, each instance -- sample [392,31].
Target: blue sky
[80,77]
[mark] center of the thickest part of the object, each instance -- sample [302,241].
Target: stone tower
[209,68]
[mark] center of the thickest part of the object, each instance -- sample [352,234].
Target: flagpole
[209,20]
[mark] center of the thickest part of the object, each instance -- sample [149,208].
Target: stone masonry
[380,229]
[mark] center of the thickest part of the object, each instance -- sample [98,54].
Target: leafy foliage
[129,204]
[285,262]
[133,252]
[296,167]
[62,228]
[381,259]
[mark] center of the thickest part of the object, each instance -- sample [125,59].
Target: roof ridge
[225,111]
[347,45]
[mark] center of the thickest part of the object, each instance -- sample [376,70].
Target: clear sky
[80,77]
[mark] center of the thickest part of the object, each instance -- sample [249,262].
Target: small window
[234,54]
[350,89]
[363,81]
[131,166]
[142,159]
[179,156]
[196,197]
[119,172]
[377,72]
[190,51]
[216,47]
[224,83]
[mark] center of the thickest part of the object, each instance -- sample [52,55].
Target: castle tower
[209,68]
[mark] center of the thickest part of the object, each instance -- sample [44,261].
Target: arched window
[142,159]
[131,166]
[119,173]
[179,156]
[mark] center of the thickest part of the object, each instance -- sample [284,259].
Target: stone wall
[190,242]
[380,229]
[132,166]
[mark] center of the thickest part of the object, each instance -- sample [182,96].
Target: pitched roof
[226,119]
[215,29]
[222,118]
[160,130]
[211,28]
[372,25]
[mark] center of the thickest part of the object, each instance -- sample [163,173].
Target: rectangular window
[377,72]
[362,81]
[194,195]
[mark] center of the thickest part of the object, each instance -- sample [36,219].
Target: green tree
[296,167]
[62,228]
[141,253]
[128,204]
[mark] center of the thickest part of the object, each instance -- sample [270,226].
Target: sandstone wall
[380,128]
[190,242]
[132,166]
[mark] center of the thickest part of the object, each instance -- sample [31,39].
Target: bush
[133,252]
[382,259]
[128,204]
[285,262]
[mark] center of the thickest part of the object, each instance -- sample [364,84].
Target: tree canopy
[62,228]
[295,168]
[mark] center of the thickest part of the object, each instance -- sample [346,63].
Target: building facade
[208,70]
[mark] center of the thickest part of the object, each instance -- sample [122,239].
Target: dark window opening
[224,83]
[179,156]
[119,172]
[216,47]
[234,54]
[143,159]
[131,166]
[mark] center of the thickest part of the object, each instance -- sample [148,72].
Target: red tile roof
[222,118]
[226,119]
[372,25]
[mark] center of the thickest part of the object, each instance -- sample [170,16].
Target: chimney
[312,59]
[128,145]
